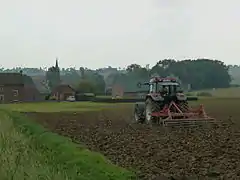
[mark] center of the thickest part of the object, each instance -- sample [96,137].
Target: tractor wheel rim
[148,113]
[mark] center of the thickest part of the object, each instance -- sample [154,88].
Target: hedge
[109,100]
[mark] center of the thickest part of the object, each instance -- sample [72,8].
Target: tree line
[198,74]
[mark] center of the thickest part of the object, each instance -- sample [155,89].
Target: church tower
[56,65]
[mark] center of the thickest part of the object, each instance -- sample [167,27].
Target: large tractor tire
[151,107]
[139,116]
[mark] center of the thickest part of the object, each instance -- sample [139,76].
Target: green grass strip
[28,151]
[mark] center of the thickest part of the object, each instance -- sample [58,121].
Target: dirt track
[211,154]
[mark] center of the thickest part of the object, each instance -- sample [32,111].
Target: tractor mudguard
[181,97]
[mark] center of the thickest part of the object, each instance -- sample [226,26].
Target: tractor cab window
[153,88]
[174,89]
[163,89]
[178,88]
[166,89]
[160,88]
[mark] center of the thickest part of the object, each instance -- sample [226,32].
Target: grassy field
[55,106]
[27,151]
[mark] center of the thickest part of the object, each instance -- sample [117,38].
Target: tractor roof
[169,83]
[163,80]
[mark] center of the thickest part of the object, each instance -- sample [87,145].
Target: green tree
[96,80]
[53,76]
[135,70]
[71,77]
[86,86]
[133,67]
[200,73]
[99,83]
[82,71]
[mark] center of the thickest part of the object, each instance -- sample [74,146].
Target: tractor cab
[164,90]
[164,86]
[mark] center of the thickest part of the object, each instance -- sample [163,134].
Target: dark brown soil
[211,153]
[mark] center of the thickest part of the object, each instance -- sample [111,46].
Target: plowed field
[211,153]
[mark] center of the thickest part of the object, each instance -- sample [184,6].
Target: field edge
[67,154]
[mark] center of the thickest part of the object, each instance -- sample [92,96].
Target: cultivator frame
[172,115]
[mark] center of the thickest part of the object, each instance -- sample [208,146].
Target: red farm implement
[172,115]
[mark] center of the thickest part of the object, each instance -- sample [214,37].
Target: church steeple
[56,65]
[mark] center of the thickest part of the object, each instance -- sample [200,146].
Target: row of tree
[199,74]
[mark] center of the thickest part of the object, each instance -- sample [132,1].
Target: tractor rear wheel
[150,107]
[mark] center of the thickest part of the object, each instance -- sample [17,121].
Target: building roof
[40,83]
[11,79]
[63,85]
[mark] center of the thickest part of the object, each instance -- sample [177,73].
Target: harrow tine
[188,122]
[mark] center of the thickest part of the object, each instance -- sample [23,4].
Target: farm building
[16,87]
[62,92]
[31,92]
[41,85]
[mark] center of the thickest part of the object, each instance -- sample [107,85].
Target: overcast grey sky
[97,33]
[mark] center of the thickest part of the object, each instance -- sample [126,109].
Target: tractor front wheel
[139,112]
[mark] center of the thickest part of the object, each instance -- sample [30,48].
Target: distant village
[30,84]
[35,84]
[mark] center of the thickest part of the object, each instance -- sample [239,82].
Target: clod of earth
[154,153]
